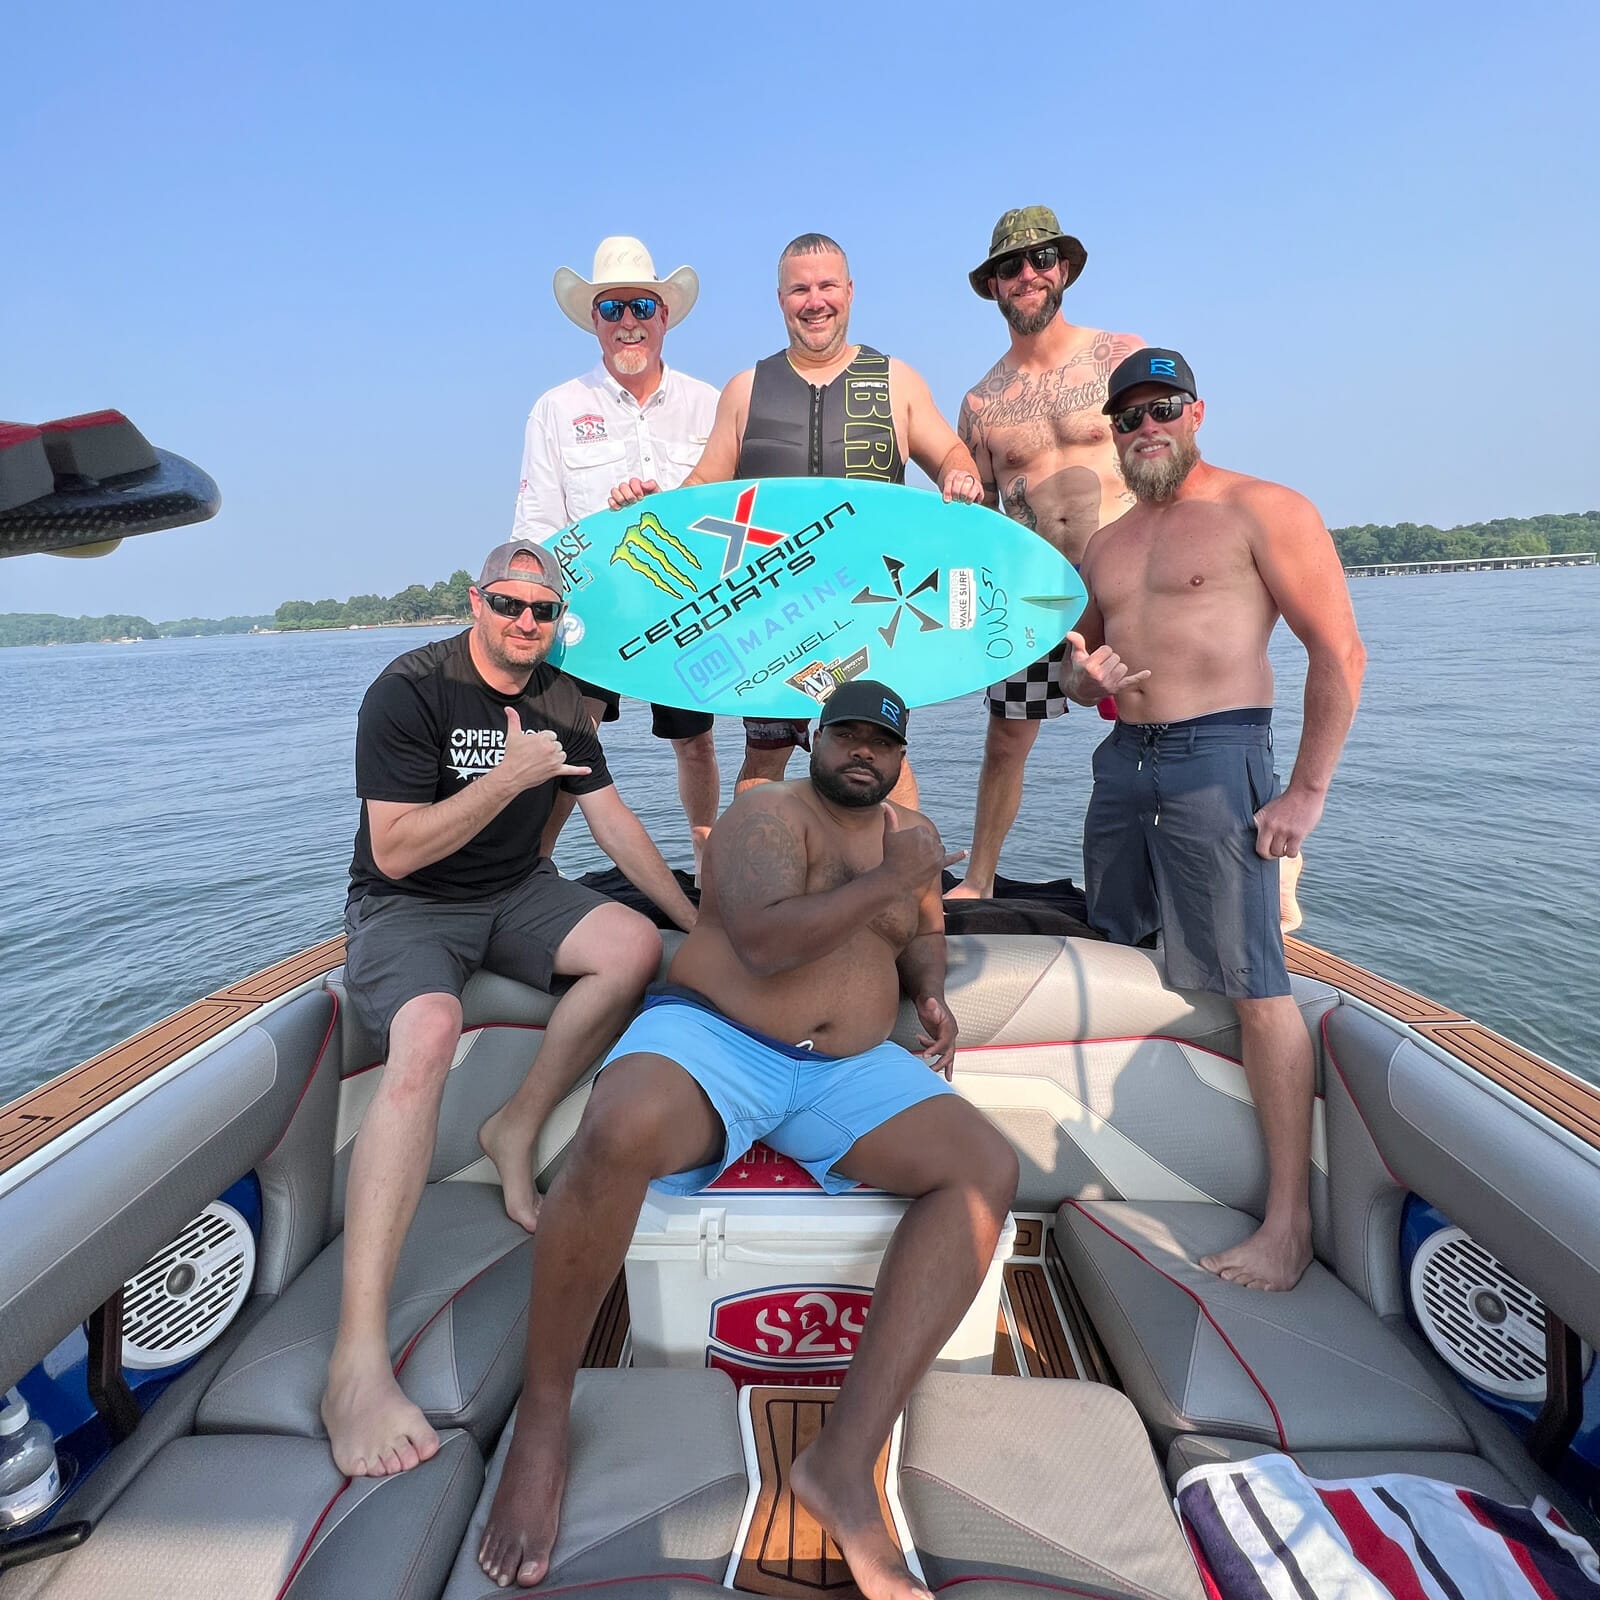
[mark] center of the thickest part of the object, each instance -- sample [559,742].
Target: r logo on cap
[892,712]
[1162,367]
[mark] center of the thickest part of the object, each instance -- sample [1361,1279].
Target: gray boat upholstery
[81,1219]
[1312,1369]
[1014,1480]
[296,1529]
[457,1319]
[655,1488]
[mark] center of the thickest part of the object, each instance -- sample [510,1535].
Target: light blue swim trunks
[809,1106]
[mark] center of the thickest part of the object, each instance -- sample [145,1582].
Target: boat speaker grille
[187,1293]
[1485,1324]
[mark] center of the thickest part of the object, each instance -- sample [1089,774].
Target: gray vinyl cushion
[457,1325]
[1028,1480]
[656,1483]
[230,1517]
[1313,1369]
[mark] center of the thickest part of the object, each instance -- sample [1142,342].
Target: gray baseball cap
[535,564]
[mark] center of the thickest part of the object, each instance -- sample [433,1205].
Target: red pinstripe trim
[87,419]
[610,1583]
[1249,1371]
[1328,1050]
[311,1076]
[305,1549]
[482,1027]
[411,1343]
[1020,1583]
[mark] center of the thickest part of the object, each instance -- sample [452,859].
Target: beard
[828,785]
[1158,478]
[528,655]
[1031,322]
[630,359]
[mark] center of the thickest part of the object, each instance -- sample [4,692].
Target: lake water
[179,813]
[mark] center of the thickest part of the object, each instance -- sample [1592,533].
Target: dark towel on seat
[1056,907]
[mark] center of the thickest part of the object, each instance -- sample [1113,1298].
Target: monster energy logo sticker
[639,550]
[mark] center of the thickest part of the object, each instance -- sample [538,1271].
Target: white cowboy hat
[624,263]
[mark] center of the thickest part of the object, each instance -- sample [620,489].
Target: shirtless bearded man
[1044,452]
[820,905]
[1186,827]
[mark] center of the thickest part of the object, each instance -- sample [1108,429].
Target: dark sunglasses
[1042,257]
[508,605]
[643,308]
[1168,409]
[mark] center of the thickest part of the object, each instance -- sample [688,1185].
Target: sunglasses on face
[643,308]
[509,606]
[1041,257]
[1167,409]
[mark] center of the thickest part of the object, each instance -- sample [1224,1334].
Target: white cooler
[774,1288]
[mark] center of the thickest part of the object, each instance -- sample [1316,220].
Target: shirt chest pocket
[590,471]
[679,457]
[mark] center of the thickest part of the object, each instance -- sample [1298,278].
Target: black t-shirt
[429,726]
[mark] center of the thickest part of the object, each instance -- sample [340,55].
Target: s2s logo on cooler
[800,1323]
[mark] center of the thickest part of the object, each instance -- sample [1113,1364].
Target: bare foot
[513,1160]
[526,1513]
[970,890]
[373,1429]
[1289,914]
[847,1507]
[1271,1258]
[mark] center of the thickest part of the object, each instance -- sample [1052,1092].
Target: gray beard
[630,359]
[1031,322]
[1159,478]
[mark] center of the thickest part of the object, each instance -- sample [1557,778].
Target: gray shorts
[1169,845]
[399,946]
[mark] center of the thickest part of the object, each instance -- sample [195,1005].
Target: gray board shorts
[1169,846]
[399,946]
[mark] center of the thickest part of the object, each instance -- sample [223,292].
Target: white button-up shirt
[587,435]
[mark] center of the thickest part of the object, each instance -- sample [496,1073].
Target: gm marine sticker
[819,679]
[655,554]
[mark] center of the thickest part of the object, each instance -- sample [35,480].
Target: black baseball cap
[867,700]
[1150,365]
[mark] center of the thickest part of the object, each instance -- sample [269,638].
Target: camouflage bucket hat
[1017,230]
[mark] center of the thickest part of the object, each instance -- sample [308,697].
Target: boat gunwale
[41,1115]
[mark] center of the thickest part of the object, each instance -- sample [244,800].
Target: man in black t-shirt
[460,748]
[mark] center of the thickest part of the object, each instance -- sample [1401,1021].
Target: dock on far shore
[1389,569]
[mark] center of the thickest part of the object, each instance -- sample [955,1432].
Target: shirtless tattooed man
[1187,829]
[819,907]
[1044,453]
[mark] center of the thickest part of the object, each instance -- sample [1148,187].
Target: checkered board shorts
[1034,694]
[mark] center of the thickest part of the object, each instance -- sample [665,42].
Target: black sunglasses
[643,308]
[1041,256]
[1167,409]
[508,605]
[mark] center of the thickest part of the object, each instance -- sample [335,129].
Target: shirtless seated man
[820,905]
[1186,829]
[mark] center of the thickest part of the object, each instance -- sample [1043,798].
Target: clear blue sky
[310,246]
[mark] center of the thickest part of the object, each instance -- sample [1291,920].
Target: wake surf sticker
[759,599]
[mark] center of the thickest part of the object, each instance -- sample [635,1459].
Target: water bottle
[30,1476]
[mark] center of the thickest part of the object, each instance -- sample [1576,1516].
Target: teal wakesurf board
[759,599]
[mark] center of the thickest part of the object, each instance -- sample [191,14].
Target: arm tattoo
[1017,505]
[768,862]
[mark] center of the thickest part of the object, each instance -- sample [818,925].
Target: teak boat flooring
[786,1554]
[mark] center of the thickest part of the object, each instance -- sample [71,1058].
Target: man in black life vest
[822,408]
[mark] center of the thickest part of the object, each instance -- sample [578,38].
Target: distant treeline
[1554,535]
[21,627]
[446,601]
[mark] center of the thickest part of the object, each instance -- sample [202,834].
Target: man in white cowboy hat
[630,415]
[1044,450]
